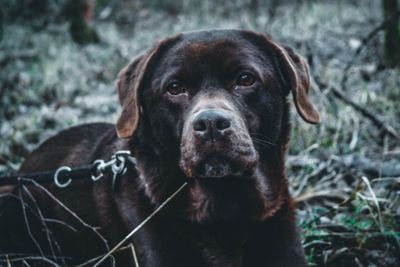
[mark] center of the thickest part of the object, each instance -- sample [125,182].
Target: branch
[364,42]
[386,128]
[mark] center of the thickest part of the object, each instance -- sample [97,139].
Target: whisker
[264,141]
[261,136]
[262,144]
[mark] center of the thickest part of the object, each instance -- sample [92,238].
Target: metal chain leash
[64,175]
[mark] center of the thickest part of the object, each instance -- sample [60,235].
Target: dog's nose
[211,125]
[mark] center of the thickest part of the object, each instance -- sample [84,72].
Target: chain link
[117,164]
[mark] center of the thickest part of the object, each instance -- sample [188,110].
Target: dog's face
[216,101]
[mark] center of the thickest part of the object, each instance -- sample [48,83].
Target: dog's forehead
[203,46]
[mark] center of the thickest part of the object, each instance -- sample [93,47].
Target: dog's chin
[224,188]
[219,167]
[225,199]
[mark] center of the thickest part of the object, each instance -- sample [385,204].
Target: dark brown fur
[239,215]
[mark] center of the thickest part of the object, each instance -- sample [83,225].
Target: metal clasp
[119,165]
[56,177]
[99,166]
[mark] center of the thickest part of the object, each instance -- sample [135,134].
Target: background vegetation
[345,172]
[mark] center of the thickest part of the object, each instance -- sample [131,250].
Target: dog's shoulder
[74,146]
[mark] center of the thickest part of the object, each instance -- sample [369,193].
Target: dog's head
[214,102]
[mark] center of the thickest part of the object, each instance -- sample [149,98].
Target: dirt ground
[345,172]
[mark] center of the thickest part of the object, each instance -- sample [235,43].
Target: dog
[209,108]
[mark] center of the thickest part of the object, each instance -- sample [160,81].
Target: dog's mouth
[217,166]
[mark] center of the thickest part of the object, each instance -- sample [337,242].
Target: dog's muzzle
[212,125]
[216,144]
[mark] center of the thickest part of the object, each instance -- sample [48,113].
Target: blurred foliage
[78,13]
[36,13]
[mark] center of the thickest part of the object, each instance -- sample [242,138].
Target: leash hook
[56,177]
[99,169]
[119,167]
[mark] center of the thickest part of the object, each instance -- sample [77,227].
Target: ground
[345,172]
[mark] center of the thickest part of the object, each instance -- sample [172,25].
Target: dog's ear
[129,84]
[295,73]
[129,80]
[126,75]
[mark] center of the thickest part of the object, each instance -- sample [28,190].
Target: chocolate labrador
[209,108]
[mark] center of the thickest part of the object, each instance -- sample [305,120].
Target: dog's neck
[231,244]
[247,238]
[159,180]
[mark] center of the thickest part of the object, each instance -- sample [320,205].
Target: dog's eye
[246,79]
[175,88]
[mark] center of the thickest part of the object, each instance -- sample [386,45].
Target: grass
[349,215]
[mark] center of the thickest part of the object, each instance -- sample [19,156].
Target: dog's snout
[211,124]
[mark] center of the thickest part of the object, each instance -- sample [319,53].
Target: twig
[43,222]
[364,42]
[8,261]
[35,258]
[134,254]
[316,172]
[99,257]
[351,234]
[103,239]
[23,255]
[375,200]
[62,223]
[28,228]
[49,234]
[387,129]
[330,194]
[140,225]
